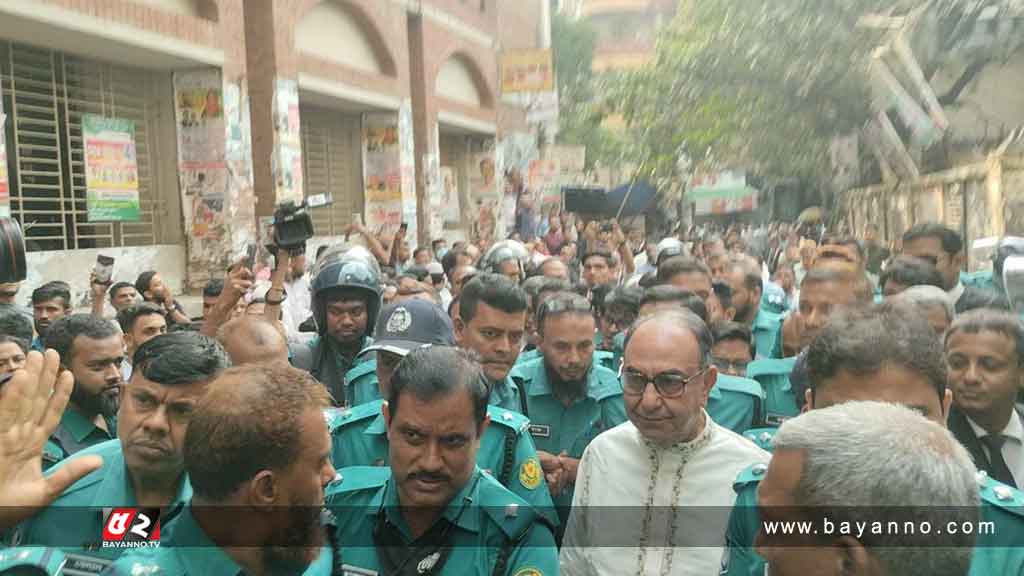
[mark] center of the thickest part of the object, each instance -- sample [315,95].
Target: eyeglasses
[668,384]
[726,364]
[560,304]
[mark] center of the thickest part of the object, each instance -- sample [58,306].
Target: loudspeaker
[12,252]
[584,199]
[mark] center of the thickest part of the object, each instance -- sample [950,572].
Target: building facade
[239,105]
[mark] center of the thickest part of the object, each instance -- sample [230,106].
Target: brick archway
[483,87]
[370,24]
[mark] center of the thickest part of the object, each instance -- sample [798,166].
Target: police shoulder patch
[528,572]
[530,473]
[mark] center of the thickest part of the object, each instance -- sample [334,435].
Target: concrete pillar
[424,119]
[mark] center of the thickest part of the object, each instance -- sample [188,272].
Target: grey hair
[927,297]
[687,320]
[871,461]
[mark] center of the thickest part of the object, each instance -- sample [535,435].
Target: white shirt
[631,491]
[1013,446]
[956,293]
[298,306]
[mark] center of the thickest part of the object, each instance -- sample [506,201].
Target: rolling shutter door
[332,164]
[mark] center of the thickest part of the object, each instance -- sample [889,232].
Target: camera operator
[152,289]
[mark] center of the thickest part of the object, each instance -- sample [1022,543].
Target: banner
[5,191]
[527,71]
[202,170]
[722,192]
[486,196]
[111,170]
[382,173]
[288,148]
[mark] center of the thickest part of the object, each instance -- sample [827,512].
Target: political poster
[111,169]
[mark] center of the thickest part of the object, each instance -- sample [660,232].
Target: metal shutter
[45,93]
[332,164]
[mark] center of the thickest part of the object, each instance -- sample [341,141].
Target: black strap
[524,408]
[998,468]
[511,436]
[501,564]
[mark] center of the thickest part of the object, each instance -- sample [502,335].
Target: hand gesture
[240,279]
[98,290]
[553,473]
[31,405]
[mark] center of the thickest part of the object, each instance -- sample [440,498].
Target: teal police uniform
[359,438]
[556,428]
[601,358]
[32,561]
[982,279]
[74,522]
[761,436]
[505,394]
[186,550]
[773,298]
[766,331]
[73,434]
[735,403]
[996,552]
[779,399]
[487,530]
[361,383]
[319,358]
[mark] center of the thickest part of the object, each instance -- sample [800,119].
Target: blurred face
[386,364]
[459,278]
[658,349]
[8,292]
[732,356]
[208,303]
[555,268]
[615,320]
[818,302]
[744,300]
[893,383]
[785,278]
[568,345]
[495,335]
[422,258]
[718,264]
[11,357]
[403,251]
[930,250]
[983,372]
[791,555]
[716,313]
[298,533]
[433,446]
[596,271]
[156,289]
[510,269]
[695,282]
[127,296]
[145,329]
[151,424]
[347,319]
[47,312]
[96,366]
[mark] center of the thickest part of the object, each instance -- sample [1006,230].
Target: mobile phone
[104,269]
[250,257]
[404,226]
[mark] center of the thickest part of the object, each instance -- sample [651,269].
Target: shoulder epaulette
[341,417]
[770,367]
[997,494]
[360,370]
[509,418]
[739,384]
[750,475]
[761,436]
[511,513]
[31,560]
[359,478]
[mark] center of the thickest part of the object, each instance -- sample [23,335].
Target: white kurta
[630,492]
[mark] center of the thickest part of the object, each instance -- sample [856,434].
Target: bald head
[251,340]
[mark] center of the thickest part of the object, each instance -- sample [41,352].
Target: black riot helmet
[343,269]
[1008,246]
[502,252]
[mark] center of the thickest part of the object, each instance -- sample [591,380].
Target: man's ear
[808,401]
[958,260]
[853,558]
[262,490]
[710,378]
[459,326]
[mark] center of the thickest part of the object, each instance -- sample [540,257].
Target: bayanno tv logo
[131,527]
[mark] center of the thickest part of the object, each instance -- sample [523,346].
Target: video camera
[293,224]
[12,252]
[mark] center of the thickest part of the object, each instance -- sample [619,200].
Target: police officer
[492,323]
[359,434]
[508,258]
[346,299]
[568,398]
[434,511]
[887,353]
[258,455]
[91,349]
[743,275]
[144,466]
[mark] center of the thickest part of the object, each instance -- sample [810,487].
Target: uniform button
[1003,493]
[506,416]
[512,510]
[765,436]
[759,469]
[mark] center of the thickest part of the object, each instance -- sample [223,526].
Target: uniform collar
[462,510]
[80,428]
[378,426]
[203,556]
[539,385]
[116,488]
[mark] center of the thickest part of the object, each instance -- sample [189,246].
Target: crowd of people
[593,401]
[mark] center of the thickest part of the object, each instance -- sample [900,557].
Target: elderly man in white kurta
[653,494]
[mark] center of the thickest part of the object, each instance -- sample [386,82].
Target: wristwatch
[284,296]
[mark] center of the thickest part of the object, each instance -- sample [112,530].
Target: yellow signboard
[527,71]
